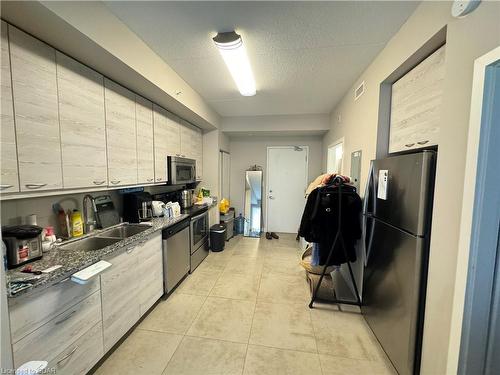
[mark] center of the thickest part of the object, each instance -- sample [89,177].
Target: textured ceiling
[304,55]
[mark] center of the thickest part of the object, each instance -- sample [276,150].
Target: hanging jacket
[321,218]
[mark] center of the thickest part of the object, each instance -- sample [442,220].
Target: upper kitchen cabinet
[174,135]
[188,146]
[416,105]
[160,143]
[8,153]
[34,85]
[121,134]
[145,144]
[198,141]
[82,119]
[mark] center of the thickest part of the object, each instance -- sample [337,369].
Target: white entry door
[286,186]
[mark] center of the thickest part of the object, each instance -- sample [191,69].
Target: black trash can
[217,237]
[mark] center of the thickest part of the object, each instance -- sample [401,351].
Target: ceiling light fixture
[235,56]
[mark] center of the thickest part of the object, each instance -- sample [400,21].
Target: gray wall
[467,39]
[247,151]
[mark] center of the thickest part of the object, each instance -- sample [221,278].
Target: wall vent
[360,90]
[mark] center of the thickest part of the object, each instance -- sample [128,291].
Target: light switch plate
[383,184]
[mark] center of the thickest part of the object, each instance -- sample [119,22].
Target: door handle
[35,186]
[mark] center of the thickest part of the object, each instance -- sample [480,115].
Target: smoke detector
[461,8]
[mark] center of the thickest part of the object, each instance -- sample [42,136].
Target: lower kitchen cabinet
[46,342]
[128,288]
[80,356]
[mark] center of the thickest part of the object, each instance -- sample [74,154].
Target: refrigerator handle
[367,233]
[368,238]
[369,192]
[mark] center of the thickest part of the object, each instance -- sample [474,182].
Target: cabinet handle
[67,355]
[65,318]
[35,186]
[99,182]
[422,142]
[158,179]
[3,187]
[410,144]
[150,179]
[115,182]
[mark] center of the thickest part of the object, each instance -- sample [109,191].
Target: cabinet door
[151,268]
[121,134]
[416,105]
[160,143]
[145,147]
[120,305]
[36,112]
[82,119]
[199,154]
[173,136]
[187,142]
[8,152]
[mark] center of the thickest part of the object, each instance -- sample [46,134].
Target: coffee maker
[137,207]
[23,243]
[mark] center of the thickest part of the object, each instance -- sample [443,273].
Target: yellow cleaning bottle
[76,224]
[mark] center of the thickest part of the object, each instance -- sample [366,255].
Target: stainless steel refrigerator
[397,218]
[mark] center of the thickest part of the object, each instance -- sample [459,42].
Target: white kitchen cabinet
[121,134]
[145,144]
[160,143]
[188,144]
[47,341]
[120,305]
[8,151]
[34,84]
[174,136]
[151,270]
[416,105]
[198,141]
[82,120]
[80,356]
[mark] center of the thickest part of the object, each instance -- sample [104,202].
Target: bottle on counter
[76,224]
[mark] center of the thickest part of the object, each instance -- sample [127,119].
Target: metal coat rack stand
[338,238]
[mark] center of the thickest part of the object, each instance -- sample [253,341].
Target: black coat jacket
[320,222]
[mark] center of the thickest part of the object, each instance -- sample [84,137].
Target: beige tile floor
[244,311]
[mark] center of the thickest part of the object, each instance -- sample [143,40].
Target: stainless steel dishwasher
[176,254]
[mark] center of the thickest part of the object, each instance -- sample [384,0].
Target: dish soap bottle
[76,224]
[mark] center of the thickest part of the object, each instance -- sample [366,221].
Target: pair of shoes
[272,235]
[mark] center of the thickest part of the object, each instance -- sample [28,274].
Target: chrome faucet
[89,225]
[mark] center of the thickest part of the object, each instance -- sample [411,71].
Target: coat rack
[338,237]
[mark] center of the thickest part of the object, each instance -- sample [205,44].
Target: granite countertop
[72,261]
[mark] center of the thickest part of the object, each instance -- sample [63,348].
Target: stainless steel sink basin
[124,231]
[90,244]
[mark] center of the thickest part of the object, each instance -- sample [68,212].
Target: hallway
[244,311]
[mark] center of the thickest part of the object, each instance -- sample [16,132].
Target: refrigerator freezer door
[393,298]
[407,188]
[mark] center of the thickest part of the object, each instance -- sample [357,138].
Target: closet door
[34,84]
[160,143]
[121,134]
[145,147]
[83,131]
[8,152]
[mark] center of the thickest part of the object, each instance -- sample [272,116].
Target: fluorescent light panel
[235,56]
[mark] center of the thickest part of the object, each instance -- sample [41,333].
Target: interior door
[286,185]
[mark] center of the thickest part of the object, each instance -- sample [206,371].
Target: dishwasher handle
[174,229]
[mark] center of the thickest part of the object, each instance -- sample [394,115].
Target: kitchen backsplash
[15,211]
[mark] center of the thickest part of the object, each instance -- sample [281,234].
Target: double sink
[103,238]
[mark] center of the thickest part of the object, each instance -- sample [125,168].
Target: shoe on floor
[269,236]
[275,236]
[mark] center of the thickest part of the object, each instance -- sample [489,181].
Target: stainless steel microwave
[181,170]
